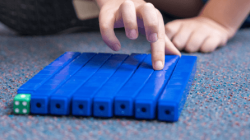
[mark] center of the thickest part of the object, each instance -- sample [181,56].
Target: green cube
[22,104]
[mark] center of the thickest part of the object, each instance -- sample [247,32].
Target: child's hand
[132,14]
[197,34]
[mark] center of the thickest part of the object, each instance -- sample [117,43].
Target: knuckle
[153,25]
[148,5]
[205,49]
[191,25]
[217,33]
[128,22]
[123,5]
[205,27]
[177,43]
[101,15]
[158,12]
[189,49]
[168,29]
[161,38]
[159,15]
[104,26]
[158,55]
[127,4]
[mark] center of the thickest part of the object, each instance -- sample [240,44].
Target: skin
[204,29]
[179,8]
[217,22]
[132,14]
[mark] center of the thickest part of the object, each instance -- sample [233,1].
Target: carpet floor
[218,106]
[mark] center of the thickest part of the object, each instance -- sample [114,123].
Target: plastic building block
[146,100]
[103,100]
[40,98]
[104,85]
[174,95]
[124,99]
[60,100]
[21,104]
[82,98]
[45,74]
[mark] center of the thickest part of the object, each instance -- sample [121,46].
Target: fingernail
[132,34]
[158,65]
[116,47]
[153,37]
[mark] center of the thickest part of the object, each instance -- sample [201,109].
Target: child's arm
[132,14]
[217,22]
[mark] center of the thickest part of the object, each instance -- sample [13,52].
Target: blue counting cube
[45,74]
[103,100]
[60,100]
[124,99]
[146,100]
[104,85]
[174,95]
[83,97]
[40,98]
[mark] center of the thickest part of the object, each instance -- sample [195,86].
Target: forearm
[228,13]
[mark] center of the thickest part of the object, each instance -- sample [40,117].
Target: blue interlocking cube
[175,93]
[107,85]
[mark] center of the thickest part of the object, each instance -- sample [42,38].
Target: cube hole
[143,109]
[58,106]
[38,105]
[80,106]
[123,106]
[101,107]
[167,112]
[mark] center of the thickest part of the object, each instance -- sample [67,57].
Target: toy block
[173,98]
[104,85]
[30,86]
[124,99]
[103,100]
[21,104]
[39,99]
[60,101]
[146,100]
[82,98]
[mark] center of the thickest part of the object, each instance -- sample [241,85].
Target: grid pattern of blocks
[104,85]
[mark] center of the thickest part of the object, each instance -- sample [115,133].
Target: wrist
[230,31]
[229,14]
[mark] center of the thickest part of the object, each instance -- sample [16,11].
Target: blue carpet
[217,107]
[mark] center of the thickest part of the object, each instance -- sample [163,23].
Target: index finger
[158,47]
[162,46]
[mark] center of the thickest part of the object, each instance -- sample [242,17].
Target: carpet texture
[217,106]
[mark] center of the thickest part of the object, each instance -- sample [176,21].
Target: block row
[175,93]
[45,74]
[104,85]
